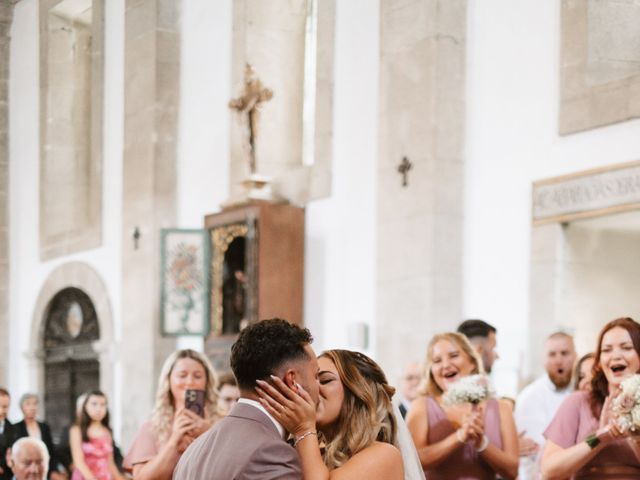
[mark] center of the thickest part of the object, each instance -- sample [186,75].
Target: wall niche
[71,97]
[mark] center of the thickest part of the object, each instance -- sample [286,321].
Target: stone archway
[71,365]
[70,283]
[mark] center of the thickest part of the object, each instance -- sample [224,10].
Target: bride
[353,433]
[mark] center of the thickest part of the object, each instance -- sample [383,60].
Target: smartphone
[194,401]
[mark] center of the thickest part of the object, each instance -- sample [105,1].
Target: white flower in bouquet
[470,389]
[626,405]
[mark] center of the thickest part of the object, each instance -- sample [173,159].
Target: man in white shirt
[538,402]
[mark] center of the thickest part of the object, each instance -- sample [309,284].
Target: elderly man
[538,402]
[409,386]
[29,459]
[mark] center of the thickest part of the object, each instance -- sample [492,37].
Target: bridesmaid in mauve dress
[460,442]
[583,439]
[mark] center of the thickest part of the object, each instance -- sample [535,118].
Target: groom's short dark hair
[265,346]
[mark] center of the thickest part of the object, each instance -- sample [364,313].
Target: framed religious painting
[185,282]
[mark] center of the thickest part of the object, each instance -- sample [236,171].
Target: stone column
[419,227]
[152,66]
[545,286]
[270,36]
[6,15]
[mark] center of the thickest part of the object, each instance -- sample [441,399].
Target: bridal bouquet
[472,389]
[626,406]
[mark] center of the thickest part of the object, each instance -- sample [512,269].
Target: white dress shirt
[535,408]
[257,405]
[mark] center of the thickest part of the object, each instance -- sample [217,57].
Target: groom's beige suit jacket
[245,445]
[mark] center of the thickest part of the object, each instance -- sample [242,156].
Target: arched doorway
[71,365]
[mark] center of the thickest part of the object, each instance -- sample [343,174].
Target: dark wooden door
[71,365]
[64,383]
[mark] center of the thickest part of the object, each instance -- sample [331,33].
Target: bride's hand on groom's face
[294,409]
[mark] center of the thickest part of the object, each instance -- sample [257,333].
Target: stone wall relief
[599,63]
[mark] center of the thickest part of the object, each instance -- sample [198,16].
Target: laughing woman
[455,441]
[583,440]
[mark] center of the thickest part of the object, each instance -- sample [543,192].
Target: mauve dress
[573,423]
[464,463]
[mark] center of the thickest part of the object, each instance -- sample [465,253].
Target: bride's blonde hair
[164,409]
[366,415]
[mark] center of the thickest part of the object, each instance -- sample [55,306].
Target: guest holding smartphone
[162,439]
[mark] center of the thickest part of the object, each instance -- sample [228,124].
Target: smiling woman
[162,440]
[583,440]
[454,441]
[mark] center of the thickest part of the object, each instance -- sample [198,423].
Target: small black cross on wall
[403,169]
[136,238]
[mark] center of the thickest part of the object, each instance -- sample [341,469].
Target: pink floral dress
[96,456]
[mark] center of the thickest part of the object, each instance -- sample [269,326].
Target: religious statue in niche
[234,288]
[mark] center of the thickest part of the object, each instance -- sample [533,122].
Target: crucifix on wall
[248,105]
[403,169]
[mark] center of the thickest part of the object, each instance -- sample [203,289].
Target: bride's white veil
[412,467]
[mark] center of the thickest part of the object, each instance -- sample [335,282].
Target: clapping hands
[470,420]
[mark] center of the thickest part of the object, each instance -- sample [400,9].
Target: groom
[249,443]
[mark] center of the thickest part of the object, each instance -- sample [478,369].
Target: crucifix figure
[403,169]
[248,104]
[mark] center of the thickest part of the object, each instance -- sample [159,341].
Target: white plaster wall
[27,273]
[340,244]
[512,140]
[203,131]
[205,90]
[601,278]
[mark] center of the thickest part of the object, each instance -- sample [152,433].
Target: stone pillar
[6,15]
[270,36]
[545,286]
[419,227]
[152,66]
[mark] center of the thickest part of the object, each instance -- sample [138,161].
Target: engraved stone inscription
[618,187]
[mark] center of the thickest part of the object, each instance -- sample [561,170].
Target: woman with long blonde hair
[162,439]
[354,421]
[460,441]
